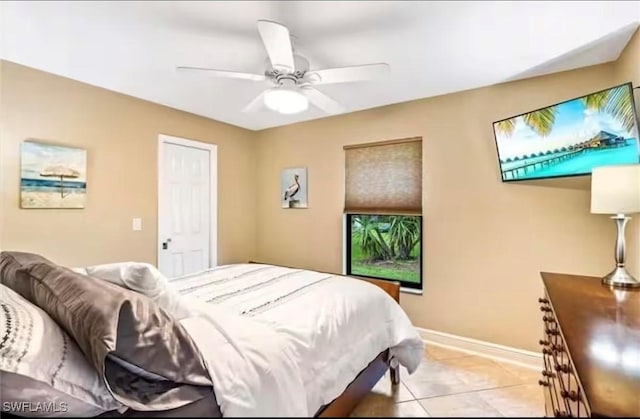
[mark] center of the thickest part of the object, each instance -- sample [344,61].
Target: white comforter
[284,342]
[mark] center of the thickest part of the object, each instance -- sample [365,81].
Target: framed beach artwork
[293,188]
[52,176]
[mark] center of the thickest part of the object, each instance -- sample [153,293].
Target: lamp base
[620,278]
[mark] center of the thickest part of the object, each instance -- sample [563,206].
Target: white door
[186,206]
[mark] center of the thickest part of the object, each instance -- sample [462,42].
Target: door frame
[213,191]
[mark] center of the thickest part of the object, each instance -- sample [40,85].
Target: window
[383,207]
[385,247]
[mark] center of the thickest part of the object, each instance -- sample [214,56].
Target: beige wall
[627,68]
[485,241]
[120,134]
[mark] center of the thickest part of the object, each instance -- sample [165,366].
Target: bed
[340,327]
[279,341]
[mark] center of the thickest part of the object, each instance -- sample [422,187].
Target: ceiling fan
[292,81]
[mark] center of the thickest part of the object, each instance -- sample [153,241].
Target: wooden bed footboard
[344,404]
[390,287]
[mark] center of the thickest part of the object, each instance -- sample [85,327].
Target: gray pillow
[118,330]
[10,262]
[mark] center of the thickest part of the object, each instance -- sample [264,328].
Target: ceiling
[433,48]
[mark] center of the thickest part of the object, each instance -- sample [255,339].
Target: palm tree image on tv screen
[570,138]
[386,246]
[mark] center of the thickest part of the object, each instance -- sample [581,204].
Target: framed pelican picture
[52,176]
[293,188]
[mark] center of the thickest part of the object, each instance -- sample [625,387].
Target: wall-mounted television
[570,138]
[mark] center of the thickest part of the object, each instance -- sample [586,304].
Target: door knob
[165,244]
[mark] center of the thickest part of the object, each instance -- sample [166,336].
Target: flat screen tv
[570,138]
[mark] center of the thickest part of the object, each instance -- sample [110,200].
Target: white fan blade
[277,42]
[224,73]
[321,100]
[347,74]
[256,104]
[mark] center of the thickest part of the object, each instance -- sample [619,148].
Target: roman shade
[384,177]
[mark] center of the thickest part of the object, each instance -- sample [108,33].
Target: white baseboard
[516,356]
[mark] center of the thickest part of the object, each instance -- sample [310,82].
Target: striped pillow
[42,370]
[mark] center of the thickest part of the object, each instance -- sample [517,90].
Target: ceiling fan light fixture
[285,101]
[292,82]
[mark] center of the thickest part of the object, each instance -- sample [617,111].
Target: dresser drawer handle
[552,332]
[543,383]
[549,374]
[543,300]
[563,368]
[571,395]
[546,351]
[549,319]
[544,308]
[543,342]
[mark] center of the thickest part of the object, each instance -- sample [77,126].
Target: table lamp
[616,190]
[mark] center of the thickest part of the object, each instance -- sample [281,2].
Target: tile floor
[455,384]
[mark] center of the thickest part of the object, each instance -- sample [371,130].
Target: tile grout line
[419,404]
[502,368]
[408,389]
[471,391]
[488,403]
[521,381]
[465,355]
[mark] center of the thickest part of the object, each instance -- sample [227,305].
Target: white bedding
[284,342]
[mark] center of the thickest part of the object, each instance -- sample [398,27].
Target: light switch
[137,224]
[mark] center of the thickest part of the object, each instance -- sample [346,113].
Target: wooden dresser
[591,348]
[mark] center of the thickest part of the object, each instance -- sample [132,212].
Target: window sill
[410,291]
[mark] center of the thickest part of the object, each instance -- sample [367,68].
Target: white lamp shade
[615,189]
